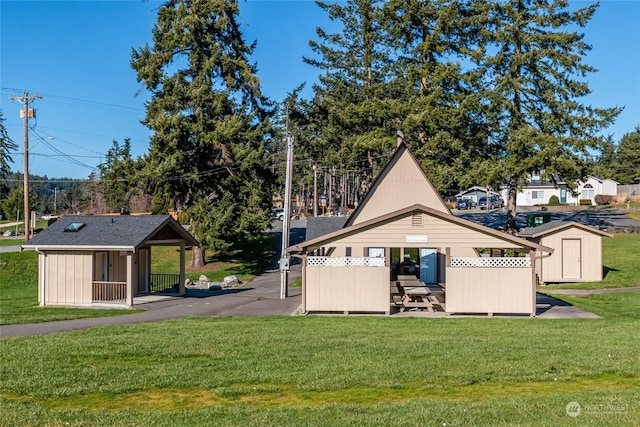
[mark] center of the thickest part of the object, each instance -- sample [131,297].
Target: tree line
[483,93]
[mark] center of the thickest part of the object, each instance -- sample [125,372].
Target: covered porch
[120,277]
[437,282]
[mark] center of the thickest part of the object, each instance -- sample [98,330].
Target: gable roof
[401,183]
[556,226]
[352,229]
[477,188]
[125,232]
[320,225]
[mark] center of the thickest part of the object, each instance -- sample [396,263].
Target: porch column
[532,255]
[181,288]
[42,264]
[304,283]
[130,280]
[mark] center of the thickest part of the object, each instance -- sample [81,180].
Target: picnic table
[412,293]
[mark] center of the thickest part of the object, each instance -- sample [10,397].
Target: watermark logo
[573,409]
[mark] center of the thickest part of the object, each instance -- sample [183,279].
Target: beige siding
[347,289]
[439,233]
[490,290]
[67,277]
[117,266]
[404,185]
[590,256]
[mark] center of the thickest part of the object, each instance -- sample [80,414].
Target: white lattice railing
[328,261]
[484,262]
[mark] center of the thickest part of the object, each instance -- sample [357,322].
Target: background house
[94,260]
[538,192]
[474,193]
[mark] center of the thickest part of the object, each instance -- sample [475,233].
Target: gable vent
[416,219]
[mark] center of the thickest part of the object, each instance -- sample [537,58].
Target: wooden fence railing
[113,292]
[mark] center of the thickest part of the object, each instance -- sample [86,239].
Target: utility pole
[284,259]
[315,190]
[26,115]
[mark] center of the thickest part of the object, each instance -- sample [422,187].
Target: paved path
[589,292]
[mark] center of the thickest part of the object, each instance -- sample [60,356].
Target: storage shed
[577,255]
[106,260]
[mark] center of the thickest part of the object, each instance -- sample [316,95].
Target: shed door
[428,265]
[571,259]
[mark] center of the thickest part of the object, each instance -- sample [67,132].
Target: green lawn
[621,263]
[325,371]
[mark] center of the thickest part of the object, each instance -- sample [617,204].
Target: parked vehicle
[462,204]
[278,214]
[494,202]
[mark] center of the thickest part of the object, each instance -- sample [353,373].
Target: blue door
[428,265]
[563,195]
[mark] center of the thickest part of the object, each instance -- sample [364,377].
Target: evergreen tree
[354,109]
[532,61]
[118,176]
[210,122]
[628,158]
[429,41]
[6,147]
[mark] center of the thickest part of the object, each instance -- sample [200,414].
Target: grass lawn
[325,371]
[328,370]
[621,263]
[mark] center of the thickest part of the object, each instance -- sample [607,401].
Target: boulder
[231,281]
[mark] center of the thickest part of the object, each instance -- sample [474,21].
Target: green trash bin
[534,220]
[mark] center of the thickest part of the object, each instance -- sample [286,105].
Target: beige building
[403,229]
[106,260]
[578,251]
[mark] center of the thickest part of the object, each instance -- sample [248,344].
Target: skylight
[74,227]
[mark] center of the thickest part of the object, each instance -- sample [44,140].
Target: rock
[231,281]
[203,278]
[8,233]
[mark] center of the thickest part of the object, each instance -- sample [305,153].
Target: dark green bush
[554,200]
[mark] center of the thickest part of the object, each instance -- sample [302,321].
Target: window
[537,194]
[376,252]
[347,251]
[588,192]
[74,227]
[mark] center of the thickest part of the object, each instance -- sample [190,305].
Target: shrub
[603,199]
[554,201]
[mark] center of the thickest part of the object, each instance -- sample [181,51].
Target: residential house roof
[124,232]
[556,226]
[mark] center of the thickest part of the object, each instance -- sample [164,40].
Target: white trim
[78,248]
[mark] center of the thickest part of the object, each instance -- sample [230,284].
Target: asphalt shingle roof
[106,231]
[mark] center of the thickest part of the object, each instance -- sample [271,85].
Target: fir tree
[210,122]
[532,60]
[628,158]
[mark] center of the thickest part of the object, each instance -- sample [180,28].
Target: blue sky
[75,54]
